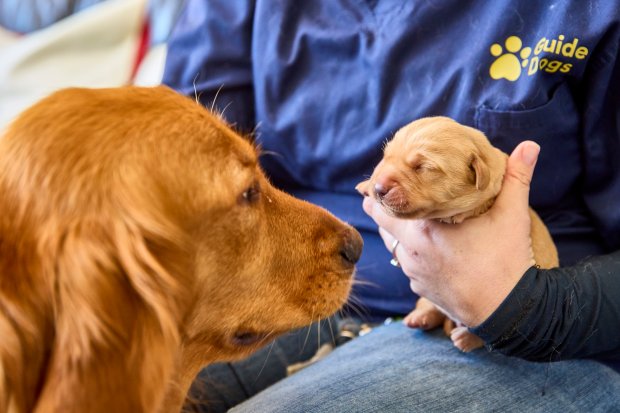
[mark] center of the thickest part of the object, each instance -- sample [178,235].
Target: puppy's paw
[464,340]
[425,316]
[448,326]
[363,188]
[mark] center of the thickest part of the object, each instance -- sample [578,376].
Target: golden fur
[436,168]
[139,241]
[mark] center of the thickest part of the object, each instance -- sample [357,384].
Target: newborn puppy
[436,168]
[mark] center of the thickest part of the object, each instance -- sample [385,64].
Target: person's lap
[396,369]
[223,385]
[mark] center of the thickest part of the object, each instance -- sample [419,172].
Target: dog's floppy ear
[117,312]
[482,175]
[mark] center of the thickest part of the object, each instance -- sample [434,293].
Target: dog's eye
[251,194]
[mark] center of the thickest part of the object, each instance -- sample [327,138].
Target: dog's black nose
[352,245]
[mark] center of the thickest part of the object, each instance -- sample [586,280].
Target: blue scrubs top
[326,83]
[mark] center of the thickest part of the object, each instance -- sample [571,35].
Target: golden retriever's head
[436,168]
[139,241]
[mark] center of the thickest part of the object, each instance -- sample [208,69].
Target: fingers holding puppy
[409,254]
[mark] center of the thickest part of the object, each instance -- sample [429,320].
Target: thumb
[519,171]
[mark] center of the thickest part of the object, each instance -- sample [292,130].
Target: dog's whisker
[357,307]
[359,313]
[254,131]
[364,267]
[271,346]
[308,333]
[364,283]
[272,153]
[221,114]
[195,90]
[215,97]
[349,311]
[331,329]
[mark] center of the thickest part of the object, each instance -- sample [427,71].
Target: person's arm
[210,58]
[575,311]
[562,313]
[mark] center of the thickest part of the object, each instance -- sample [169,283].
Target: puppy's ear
[482,175]
[117,314]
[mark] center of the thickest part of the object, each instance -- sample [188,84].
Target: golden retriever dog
[436,168]
[140,241]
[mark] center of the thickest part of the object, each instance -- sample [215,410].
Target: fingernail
[530,153]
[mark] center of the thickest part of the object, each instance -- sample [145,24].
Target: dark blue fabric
[326,83]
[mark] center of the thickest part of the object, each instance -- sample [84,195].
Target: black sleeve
[562,313]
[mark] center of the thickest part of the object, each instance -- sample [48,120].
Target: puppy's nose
[383,184]
[382,189]
[352,245]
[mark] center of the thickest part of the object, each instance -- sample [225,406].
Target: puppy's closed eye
[420,163]
[424,167]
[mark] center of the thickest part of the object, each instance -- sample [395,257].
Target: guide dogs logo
[513,59]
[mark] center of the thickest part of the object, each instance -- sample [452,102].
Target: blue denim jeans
[396,369]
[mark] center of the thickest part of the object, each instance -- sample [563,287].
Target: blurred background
[46,45]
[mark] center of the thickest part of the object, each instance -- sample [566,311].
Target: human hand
[468,269]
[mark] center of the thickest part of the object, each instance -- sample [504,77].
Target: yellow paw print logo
[507,65]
